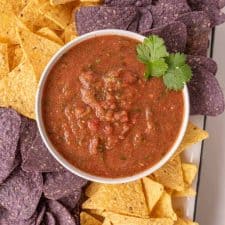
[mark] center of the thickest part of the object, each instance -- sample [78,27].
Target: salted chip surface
[174,35]
[171,174]
[61,184]
[87,219]
[166,11]
[102,17]
[21,193]
[126,199]
[60,213]
[10,123]
[206,96]
[15,56]
[92,189]
[4,62]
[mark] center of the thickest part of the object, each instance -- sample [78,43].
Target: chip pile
[34,188]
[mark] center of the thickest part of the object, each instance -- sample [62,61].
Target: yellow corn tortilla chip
[61,15]
[8,28]
[184,222]
[4,62]
[86,219]
[189,171]
[153,192]
[164,208]
[12,5]
[97,212]
[18,89]
[37,49]
[126,199]
[90,1]
[171,175]
[32,17]
[192,136]
[118,219]
[187,192]
[59,2]
[15,56]
[50,34]
[70,33]
[92,189]
[106,222]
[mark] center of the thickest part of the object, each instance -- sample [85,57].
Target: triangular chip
[37,49]
[14,6]
[189,171]
[192,136]
[184,222]
[97,212]
[92,189]
[59,2]
[171,175]
[106,222]
[153,192]
[187,192]
[15,56]
[118,219]
[59,14]
[164,208]
[86,219]
[4,62]
[50,34]
[126,199]
[18,90]
[70,33]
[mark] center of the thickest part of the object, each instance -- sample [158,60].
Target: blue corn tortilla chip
[206,96]
[145,21]
[174,35]
[61,184]
[21,193]
[102,17]
[49,219]
[10,123]
[202,61]
[40,213]
[138,3]
[60,213]
[71,201]
[166,11]
[198,29]
[38,159]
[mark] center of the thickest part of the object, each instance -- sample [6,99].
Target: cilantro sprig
[159,63]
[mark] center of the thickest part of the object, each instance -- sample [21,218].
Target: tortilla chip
[70,33]
[15,56]
[60,14]
[106,222]
[118,219]
[12,5]
[37,49]
[184,222]
[171,175]
[18,90]
[153,192]
[192,136]
[127,199]
[7,28]
[91,1]
[187,192]
[164,208]
[92,189]
[86,219]
[4,62]
[189,171]
[50,34]
[59,2]
[97,212]
[32,17]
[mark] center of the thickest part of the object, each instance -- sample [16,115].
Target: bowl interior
[58,156]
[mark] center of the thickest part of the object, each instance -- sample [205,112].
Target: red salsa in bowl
[103,116]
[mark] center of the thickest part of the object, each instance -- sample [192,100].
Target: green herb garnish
[159,63]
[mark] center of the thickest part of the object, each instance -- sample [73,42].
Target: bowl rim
[58,156]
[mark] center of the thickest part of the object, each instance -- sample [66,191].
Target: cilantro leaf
[179,73]
[153,48]
[156,68]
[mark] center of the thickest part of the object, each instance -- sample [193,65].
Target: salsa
[103,116]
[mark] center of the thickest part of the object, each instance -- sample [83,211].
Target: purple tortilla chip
[49,219]
[78,208]
[221,3]
[145,21]
[138,3]
[198,29]
[102,17]
[174,35]
[61,184]
[60,213]
[38,159]
[41,212]
[21,193]
[71,200]
[206,96]
[205,62]
[10,123]
[166,11]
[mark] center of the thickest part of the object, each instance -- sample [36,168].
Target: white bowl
[58,156]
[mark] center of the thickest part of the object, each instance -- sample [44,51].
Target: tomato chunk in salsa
[103,116]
